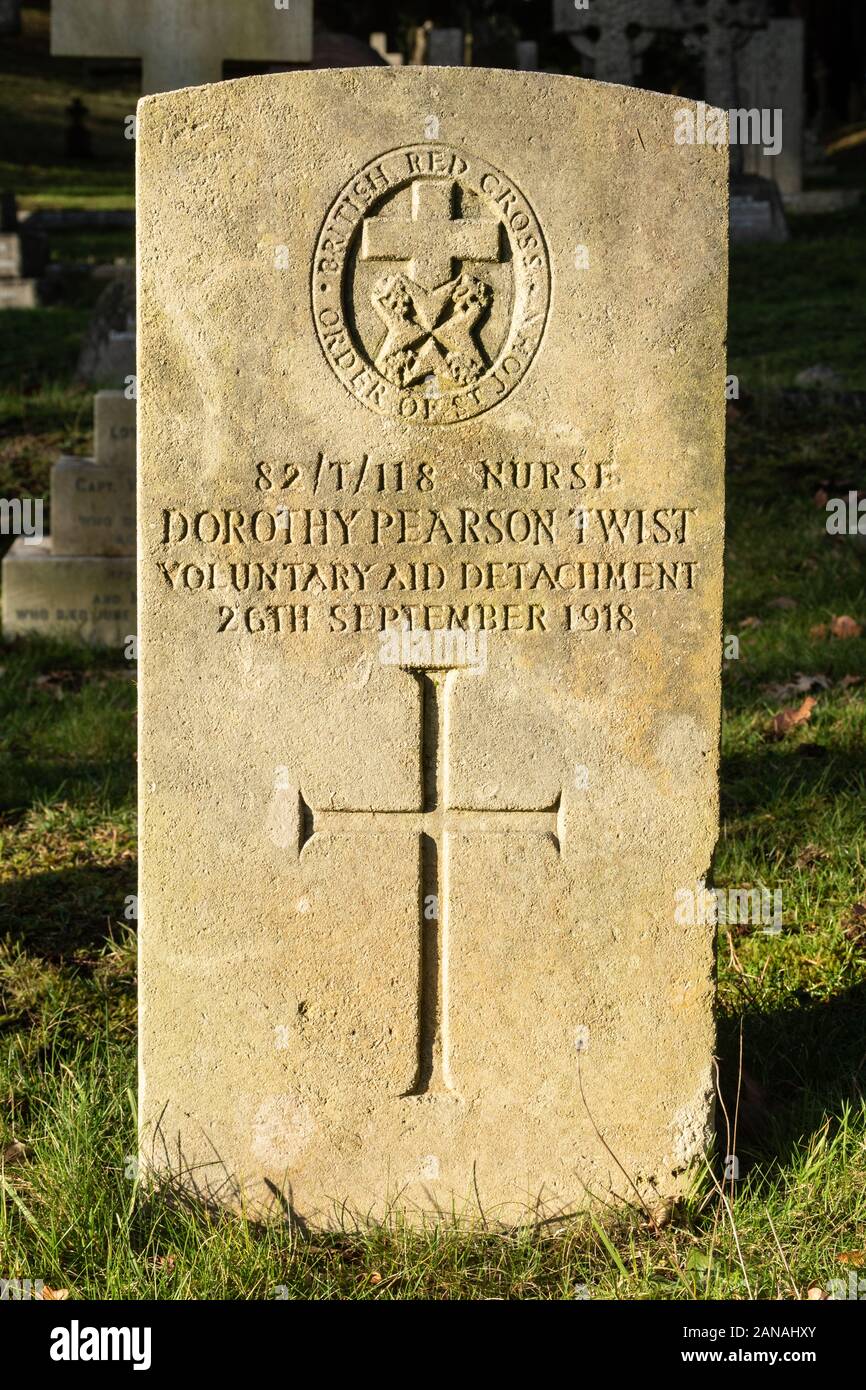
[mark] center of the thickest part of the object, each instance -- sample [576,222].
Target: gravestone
[757,212]
[526,52]
[615,34]
[445,48]
[430,546]
[772,78]
[107,356]
[183,42]
[379,44]
[79,583]
[612,36]
[23,255]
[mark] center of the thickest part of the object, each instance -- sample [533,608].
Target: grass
[71,1210]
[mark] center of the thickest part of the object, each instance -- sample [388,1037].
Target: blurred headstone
[757,212]
[772,79]
[379,44]
[108,353]
[527,55]
[445,48]
[183,43]
[78,584]
[23,255]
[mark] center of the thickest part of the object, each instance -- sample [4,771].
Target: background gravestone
[182,42]
[772,78]
[430,567]
[445,48]
[23,256]
[78,584]
[107,356]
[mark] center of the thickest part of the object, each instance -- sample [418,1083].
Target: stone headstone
[183,42]
[757,212]
[107,356]
[379,44]
[114,429]
[445,48]
[93,499]
[772,73]
[612,36]
[72,598]
[79,583]
[431,564]
[23,255]
[615,34]
[527,55]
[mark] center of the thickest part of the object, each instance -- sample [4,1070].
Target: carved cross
[434,821]
[432,239]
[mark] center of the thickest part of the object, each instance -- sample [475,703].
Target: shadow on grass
[769,774]
[801,1064]
[57,916]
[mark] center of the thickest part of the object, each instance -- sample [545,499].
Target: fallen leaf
[375,1277]
[847,681]
[800,685]
[854,925]
[843,626]
[857,1258]
[821,498]
[788,719]
[14,1153]
[783,602]
[810,854]
[818,632]
[661,1214]
[749,622]
[814,1292]
[57,683]
[54,1295]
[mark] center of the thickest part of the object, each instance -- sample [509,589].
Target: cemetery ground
[791,1004]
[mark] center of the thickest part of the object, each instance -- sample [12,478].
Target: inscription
[554,566]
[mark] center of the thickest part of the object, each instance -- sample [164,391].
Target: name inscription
[556,560]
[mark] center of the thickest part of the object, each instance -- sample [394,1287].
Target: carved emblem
[431,285]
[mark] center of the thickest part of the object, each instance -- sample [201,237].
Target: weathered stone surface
[182,42]
[430,546]
[114,428]
[76,598]
[21,255]
[92,507]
